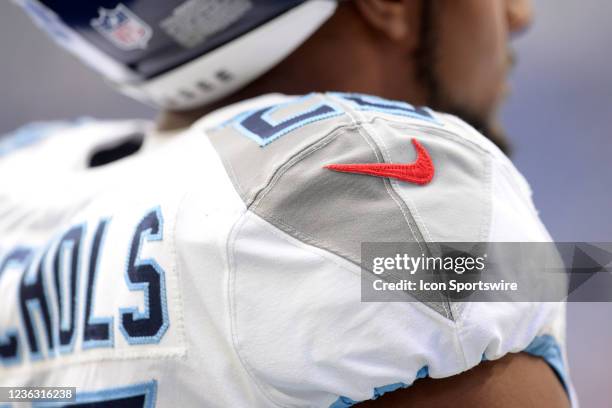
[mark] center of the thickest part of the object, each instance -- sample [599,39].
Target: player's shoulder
[339,169]
[322,174]
[272,118]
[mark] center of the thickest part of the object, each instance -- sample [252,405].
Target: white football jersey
[218,266]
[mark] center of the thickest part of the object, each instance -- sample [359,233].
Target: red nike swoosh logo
[421,171]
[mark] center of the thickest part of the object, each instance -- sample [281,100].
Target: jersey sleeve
[298,321]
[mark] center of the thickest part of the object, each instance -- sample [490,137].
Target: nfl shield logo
[122,27]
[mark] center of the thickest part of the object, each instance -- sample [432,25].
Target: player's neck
[344,55]
[285,80]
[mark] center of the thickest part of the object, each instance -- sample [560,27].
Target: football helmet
[180,54]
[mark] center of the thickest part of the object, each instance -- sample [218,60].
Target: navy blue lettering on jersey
[10,345]
[374,103]
[56,293]
[66,275]
[147,276]
[97,331]
[33,298]
[259,126]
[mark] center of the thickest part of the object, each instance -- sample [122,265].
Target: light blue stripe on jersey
[344,402]
[544,346]
[34,132]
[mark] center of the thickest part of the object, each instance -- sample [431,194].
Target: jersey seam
[327,138]
[287,165]
[326,255]
[179,298]
[229,247]
[171,353]
[307,239]
[486,176]
[447,305]
[330,256]
[386,156]
[297,158]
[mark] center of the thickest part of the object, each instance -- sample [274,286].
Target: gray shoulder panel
[285,182]
[251,159]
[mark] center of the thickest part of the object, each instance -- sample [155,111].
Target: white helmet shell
[197,52]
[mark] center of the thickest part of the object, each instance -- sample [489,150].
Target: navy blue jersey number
[262,128]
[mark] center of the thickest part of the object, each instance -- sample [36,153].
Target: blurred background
[559,118]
